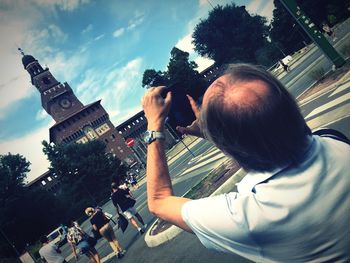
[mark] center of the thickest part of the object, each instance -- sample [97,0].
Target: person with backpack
[123,199]
[100,223]
[78,241]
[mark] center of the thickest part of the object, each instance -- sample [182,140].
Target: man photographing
[292,206]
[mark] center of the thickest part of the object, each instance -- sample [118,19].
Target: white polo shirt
[49,252]
[296,214]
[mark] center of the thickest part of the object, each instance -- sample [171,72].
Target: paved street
[299,79]
[329,108]
[207,157]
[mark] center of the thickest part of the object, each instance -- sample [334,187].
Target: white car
[58,236]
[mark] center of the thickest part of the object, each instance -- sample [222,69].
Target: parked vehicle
[58,236]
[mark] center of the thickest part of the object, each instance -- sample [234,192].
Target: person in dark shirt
[101,224]
[123,200]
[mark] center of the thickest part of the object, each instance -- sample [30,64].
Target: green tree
[153,78]
[230,34]
[25,213]
[286,32]
[180,72]
[85,171]
[13,172]
[183,72]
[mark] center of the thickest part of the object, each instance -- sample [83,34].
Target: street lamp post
[313,32]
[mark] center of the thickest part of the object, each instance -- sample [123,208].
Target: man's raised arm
[161,199]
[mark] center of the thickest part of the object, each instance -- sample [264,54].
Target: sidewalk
[184,248]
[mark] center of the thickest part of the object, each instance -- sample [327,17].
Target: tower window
[113,136]
[106,140]
[46,80]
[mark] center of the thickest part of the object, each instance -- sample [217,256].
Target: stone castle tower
[75,122]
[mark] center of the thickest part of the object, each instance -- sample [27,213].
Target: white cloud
[267,11]
[13,90]
[30,147]
[57,34]
[135,22]
[66,5]
[119,32]
[203,3]
[16,18]
[113,87]
[119,116]
[87,29]
[99,37]
[185,43]
[132,24]
[203,63]
[41,115]
[65,67]
[262,8]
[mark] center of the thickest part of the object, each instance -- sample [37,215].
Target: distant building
[80,123]
[134,128]
[46,181]
[75,122]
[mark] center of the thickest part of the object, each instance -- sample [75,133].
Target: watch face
[147,138]
[65,103]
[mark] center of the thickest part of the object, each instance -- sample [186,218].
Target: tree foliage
[180,70]
[13,172]
[153,78]
[287,33]
[25,214]
[230,34]
[85,170]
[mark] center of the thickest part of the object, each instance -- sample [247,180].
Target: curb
[173,231]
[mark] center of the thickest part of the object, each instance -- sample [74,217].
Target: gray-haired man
[294,203]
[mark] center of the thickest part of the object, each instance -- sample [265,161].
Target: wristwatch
[151,136]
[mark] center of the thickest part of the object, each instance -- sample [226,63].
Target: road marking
[328,105]
[340,89]
[216,157]
[323,120]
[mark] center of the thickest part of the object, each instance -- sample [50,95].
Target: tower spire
[21,51]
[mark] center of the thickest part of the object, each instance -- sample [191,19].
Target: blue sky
[101,48]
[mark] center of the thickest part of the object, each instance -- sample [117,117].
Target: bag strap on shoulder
[331,133]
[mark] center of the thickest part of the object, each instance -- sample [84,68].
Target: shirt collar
[253,178]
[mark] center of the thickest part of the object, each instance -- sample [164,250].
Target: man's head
[115,186]
[89,211]
[249,115]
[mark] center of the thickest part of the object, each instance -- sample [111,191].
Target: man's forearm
[158,178]
[161,200]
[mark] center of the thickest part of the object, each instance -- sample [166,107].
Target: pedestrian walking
[78,240]
[50,252]
[133,181]
[123,200]
[285,66]
[329,31]
[100,223]
[294,203]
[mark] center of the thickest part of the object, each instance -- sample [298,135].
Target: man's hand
[156,108]
[193,129]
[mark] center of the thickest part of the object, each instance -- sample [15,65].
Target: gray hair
[261,136]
